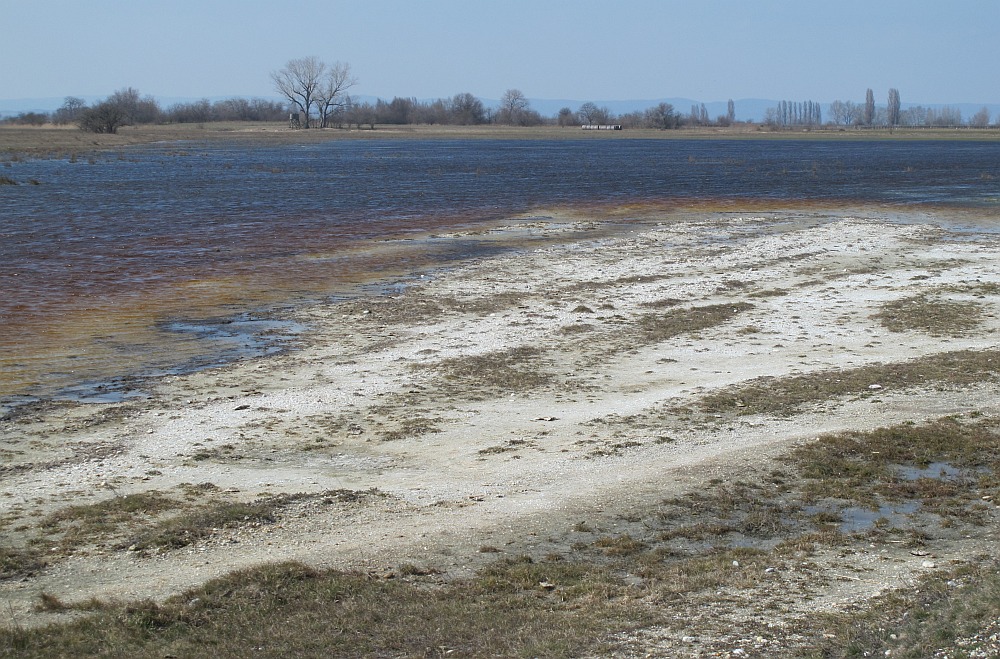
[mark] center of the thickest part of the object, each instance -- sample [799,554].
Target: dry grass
[509,371]
[191,527]
[682,552]
[786,396]
[870,468]
[291,610]
[947,614]
[20,562]
[654,328]
[412,427]
[931,315]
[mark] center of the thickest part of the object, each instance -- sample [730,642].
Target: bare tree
[331,94]
[299,82]
[514,107]
[70,111]
[466,109]
[980,119]
[105,117]
[362,113]
[845,112]
[567,117]
[122,108]
[662,116]
[892,108]
[869,114]
[590,114]
[730,111]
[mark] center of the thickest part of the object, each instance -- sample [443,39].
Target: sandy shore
[501,401]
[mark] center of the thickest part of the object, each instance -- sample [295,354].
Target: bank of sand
[500,403]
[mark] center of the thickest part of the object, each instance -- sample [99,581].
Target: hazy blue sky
[708,50]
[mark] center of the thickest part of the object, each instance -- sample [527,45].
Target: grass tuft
[654,328]
[933,316]
[513,370]
[188,528]
[786,396]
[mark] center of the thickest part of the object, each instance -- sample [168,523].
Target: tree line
[316,94]
[126,107]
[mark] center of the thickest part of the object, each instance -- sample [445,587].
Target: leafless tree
[362,114]
[105,117]
[331,94]
[122,108]
[980,119]
[662,116]
[845,112]
[299,83]
[466,109]
[730,111]
[70,111]
[869,114]
[589,113]
[514,107]
[567,117]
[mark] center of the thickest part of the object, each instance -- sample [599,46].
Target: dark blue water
[102,256]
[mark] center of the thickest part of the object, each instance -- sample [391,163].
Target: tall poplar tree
[869,115]
[893,107]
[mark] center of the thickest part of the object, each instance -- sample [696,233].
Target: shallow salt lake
[166,258]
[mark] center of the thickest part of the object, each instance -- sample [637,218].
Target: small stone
[874,387]
[688,639]
[736,563]
[929,564]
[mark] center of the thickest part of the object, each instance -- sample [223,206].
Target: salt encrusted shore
[490,403]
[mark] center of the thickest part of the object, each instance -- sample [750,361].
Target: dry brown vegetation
[744,537]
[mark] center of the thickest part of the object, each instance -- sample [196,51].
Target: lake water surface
[164,258]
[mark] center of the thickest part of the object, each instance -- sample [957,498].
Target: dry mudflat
[546,401]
